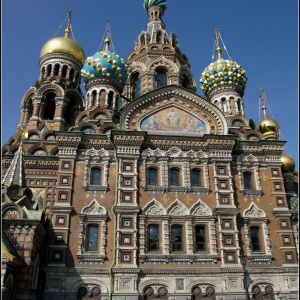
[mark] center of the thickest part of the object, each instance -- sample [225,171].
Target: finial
[218,48]
[262,100]
[107,40]
[24,136]
[68,29]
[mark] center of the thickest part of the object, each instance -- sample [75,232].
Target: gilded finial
[107,43]
[68,29]
[24,136]
[218,48]
[262,101]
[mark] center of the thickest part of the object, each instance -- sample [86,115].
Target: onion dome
[150,3]
[288,164]
[64,45]
[222,72]
[104,64]
[267,126]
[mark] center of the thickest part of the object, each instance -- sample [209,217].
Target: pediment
[173,110]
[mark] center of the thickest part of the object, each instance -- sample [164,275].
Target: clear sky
[262,36]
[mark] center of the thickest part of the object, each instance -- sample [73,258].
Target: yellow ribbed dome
[63,45]
[288,164]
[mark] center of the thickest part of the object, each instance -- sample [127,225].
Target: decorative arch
[156,285]
[162,62]
[173,96]
[51,87]
[253,211]
[154,208]
[177,208]
[40,147]
[89,283]
[200,209]
[30,93]
[94,208]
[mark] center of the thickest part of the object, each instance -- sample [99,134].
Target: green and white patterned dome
[104,64]
[150,3]
[222,72]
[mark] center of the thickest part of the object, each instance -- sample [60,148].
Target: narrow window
[254,232]
[161,79]
[247,181]
[196,178]
[56,69]
[95,176]
[72,73]
[239,105]
[158,37]
[136,86]
[200,238]
[177,238]
[174,177]
[110,99]
[94,93]
[224,105]
[153,238]
[49,68]
[152,176]
[92,238]
[64,71]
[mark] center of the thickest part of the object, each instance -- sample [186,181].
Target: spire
[16,171]
[262,101]
[68,29]
[218,48]
[108,37]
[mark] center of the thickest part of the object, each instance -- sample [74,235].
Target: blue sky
[262,36]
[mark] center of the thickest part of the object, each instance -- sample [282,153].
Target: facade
[141,188]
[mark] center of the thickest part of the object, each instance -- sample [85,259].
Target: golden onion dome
[64,45]
[267,126]
[288,164]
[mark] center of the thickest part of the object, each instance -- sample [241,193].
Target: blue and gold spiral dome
[222,72]
[150,3]
[104,64]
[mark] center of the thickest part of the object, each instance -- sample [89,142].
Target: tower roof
[16,171]
[64,45]
[222,72]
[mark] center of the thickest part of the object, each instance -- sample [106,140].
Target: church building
[138,187]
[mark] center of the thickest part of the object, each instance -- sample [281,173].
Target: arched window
[185,82]
[152,176]
[153,237]
[136,86]
[64,71]
[196,178]
[247,180]
[49,106]
[176,238]
[224,106]
[49,67]
[239,105]
[96,176]
[254,233]
[56,69]
[160,79]
[200,238]
[158,37]
[174,177]
[110,99]
[94,94]
[92,238]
